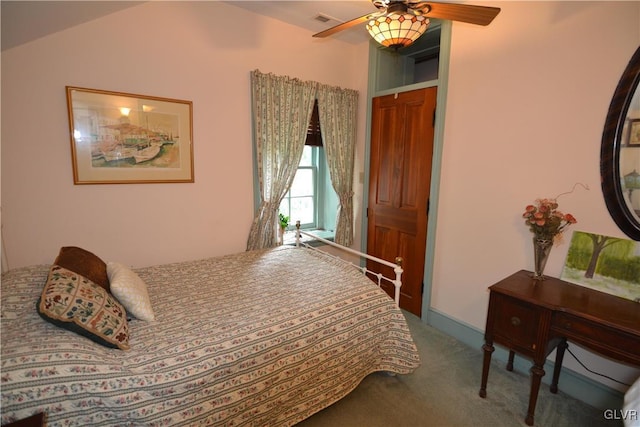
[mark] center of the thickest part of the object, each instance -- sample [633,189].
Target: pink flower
[545,220]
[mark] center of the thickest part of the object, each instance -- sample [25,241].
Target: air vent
[322,18]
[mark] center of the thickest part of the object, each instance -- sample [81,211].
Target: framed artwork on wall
[633,138]
[122,138]
[604,263]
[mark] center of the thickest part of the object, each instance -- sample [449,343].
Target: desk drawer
[516,323]
[603,339]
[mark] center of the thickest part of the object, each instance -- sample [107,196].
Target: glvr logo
[621,414]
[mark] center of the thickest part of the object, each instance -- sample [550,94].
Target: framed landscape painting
[633,138]
[122,138]
[604,263]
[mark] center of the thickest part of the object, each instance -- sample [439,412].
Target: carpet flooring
[443,391]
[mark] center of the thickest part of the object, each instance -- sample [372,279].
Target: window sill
[290,237]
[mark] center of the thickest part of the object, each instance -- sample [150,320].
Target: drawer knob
[515,321]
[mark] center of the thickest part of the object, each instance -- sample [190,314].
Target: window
[300,202]
[311,199]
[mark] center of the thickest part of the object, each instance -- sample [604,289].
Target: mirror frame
[610,150]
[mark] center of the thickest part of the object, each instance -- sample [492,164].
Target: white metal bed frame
[397,267]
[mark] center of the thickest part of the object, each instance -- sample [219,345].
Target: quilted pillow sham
[130,290]
[75,303]
[84,263]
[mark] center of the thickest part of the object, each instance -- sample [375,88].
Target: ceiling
[24,21]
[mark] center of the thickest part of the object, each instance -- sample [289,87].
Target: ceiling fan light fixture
[396,30]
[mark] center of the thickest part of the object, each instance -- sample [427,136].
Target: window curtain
[281,112]
[338,110]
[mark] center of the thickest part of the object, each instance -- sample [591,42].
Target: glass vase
[541,250]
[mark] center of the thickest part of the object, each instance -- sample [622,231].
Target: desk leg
[510,362]
[488,349]
[558,366]
[536,377]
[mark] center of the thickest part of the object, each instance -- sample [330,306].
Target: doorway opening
[421,65]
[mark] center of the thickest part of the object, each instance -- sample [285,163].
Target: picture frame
[124,138]
[605,263]
[633,134]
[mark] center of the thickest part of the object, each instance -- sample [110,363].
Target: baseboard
[572,383]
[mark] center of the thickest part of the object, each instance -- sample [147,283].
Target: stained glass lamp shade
[632,182]
[396,30]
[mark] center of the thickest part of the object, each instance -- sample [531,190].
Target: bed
[265,337]
[630,413]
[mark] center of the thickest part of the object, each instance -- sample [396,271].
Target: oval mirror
[620,152]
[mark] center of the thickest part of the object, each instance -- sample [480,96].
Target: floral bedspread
[257,338]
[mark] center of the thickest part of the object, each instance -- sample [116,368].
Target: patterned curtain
[338,109]
[281,112]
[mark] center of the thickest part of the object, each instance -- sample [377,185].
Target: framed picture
[122,138]
[604,263]
[633,138]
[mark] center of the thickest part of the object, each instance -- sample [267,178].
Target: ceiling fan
[399,23]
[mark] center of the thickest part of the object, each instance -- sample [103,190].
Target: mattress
[264,337]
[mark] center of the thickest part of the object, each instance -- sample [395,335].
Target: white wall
[181,50]
[526,105]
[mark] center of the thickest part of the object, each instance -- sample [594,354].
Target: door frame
[438,137]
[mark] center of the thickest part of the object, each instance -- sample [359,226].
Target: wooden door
[399,185]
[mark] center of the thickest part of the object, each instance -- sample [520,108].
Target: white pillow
[130,290]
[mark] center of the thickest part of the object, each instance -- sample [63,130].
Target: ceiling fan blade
[343,26]
[479,15]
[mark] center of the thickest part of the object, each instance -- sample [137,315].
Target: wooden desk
[36,420]
[532,318]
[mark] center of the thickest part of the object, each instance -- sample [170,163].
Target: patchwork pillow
[74,302]
[130,290]
[84,263]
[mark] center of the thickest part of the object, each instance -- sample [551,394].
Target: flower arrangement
[545,220]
